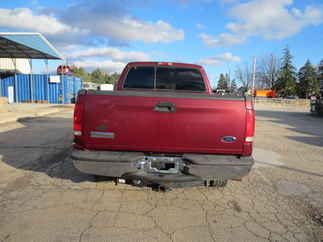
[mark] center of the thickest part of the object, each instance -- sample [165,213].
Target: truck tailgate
[185,123]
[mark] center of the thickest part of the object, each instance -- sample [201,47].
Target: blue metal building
[34,87]
[39,88]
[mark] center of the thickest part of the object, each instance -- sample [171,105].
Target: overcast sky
[218,34]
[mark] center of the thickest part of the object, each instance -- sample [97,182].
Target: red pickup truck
[163,125]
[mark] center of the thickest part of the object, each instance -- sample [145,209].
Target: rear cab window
[140,77]
[165,78]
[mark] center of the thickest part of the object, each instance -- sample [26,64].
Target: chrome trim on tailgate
[106,135]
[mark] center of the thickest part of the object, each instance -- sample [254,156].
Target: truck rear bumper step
[194,167]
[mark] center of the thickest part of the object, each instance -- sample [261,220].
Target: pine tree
[222,84]
[308,81]
[320,77]
[233,85]
[286,83]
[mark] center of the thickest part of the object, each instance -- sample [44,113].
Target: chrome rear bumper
[162,169]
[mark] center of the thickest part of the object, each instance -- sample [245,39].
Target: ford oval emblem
[228,139]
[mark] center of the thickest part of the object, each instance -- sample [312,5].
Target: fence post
[47,80]
[63,90]
[31,81]
[16,82]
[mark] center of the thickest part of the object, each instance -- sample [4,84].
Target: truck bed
[164,122]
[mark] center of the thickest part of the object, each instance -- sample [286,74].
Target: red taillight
[78,114]
[78,111]
[250,129]
[250,126]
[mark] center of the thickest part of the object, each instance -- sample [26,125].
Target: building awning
[27,45]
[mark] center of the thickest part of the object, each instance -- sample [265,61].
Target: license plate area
[164,165]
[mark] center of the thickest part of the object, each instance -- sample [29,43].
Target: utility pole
[254,75]
[273,72]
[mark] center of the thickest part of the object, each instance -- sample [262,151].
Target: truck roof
[164,63]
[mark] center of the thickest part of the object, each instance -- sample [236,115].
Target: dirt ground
[44,198]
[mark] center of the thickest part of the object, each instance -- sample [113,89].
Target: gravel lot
[44,198]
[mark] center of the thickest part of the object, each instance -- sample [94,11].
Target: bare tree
[267,72]
[244,75]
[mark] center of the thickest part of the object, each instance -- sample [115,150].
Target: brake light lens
[250,126]
[78,113]
[250,129]
[165,63]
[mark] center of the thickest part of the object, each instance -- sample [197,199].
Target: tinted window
[171,78]
[179,79]
[140,77]
[165,78]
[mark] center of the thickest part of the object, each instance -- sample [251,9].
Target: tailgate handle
[165,107]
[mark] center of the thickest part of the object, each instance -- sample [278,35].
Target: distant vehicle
[291,97]
[317,105]
[265,93]
[222,92]
[163,126]
[317,101]
[90,85]
[106,87]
